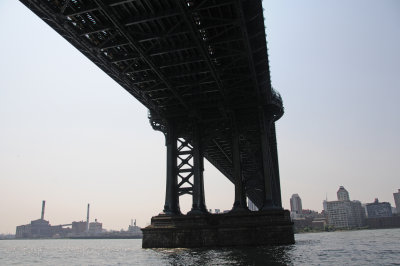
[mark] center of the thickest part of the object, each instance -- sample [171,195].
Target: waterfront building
[6,236]
[135,230]
[296,208]
[318,224]
[23,231]
[396,197]
[40,228]
[344,213]
[358,212]
[79,227]
[343,194]
[295,204]
[379,209]
[36,229]
[95,228]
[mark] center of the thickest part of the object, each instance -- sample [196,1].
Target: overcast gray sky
[70,135]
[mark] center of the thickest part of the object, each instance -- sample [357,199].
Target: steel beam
[267,167]
[196,39]
[110,15]
[185,169]
[276,191]
[151,17]
[94,8]
[243,26]
[171,206]
[198,199]
[239,204]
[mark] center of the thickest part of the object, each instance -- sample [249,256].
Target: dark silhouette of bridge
[201,68]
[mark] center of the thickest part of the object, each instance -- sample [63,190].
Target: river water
[364,247]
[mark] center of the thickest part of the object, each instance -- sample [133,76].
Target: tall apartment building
[296,208]
[379,209]
[342,194]
[396,197]
[344,213]
[295,204]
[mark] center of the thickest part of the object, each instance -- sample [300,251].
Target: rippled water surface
[366,247]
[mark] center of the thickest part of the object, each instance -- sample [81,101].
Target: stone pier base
[219,230]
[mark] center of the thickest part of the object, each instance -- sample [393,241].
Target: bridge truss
[201,68]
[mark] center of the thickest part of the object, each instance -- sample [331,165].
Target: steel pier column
[276,189]
[199,205]
[240,195]
[266,159]
[171,206]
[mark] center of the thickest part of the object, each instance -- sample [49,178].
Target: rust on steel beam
[109,14]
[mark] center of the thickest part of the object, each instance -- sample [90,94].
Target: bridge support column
[240,194]
[269,163]
[199,205]
[276,189]
[171,206]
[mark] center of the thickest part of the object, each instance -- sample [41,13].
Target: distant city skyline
[70,135]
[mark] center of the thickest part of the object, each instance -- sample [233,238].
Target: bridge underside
[201,68]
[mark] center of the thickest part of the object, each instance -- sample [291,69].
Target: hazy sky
[70,135]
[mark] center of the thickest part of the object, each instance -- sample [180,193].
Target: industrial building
[41,228]
[95,228]
[135,230]
[79,227]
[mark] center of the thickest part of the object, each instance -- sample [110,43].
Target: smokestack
[43,205]
[87,218]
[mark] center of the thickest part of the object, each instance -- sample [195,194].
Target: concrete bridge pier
[198,228]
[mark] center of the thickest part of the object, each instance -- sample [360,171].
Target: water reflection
[279,255]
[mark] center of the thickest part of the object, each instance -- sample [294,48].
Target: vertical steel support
[272,193]
[266,160]
[276,189]
[171,206]
[240,195]
[199,205]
